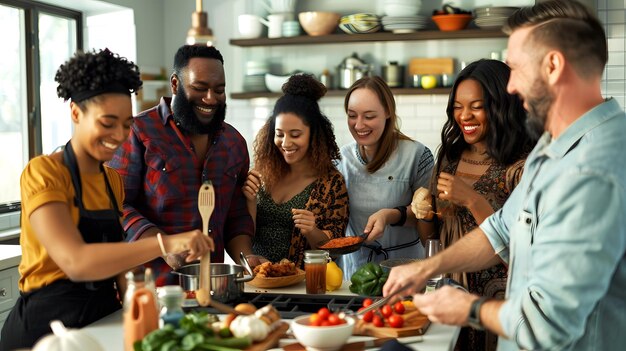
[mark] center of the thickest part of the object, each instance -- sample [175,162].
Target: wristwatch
[474,314]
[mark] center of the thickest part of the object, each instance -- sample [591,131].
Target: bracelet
[402,220]
[160,241]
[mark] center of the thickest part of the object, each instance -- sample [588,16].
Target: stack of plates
[493,17]
[404,24]
[254,80]
[253,83]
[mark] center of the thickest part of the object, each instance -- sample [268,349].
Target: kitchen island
[109,330]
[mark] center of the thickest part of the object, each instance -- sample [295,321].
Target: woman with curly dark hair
[71,236]
[484,144]
[295,194]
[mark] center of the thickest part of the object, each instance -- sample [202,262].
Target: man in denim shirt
[563,231]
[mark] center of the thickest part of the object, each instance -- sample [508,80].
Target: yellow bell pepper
[334,276]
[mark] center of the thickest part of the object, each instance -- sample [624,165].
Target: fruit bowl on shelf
[451,22]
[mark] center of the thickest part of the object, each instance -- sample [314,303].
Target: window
[33,120]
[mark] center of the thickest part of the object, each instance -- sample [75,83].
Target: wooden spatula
[206,204]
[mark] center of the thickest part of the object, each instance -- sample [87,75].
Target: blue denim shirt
[563,234]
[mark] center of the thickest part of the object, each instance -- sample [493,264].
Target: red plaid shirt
[162,176]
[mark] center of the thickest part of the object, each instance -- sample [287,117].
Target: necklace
[486,162]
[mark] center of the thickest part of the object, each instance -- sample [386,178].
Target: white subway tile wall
[422,116]
[612,13]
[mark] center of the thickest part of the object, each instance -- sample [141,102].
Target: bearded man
[176,146]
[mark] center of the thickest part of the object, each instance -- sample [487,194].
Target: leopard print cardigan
[329,204]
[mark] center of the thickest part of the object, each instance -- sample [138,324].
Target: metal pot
[352,69]
[226,279]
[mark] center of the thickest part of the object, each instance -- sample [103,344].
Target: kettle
[351,69]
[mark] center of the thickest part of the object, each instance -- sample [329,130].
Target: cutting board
[272,339]
[415,323]
[443,65]
[351,346]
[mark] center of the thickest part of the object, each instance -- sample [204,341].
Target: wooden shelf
[371,37]
[342,93]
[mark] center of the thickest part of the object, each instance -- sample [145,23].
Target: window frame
[32,10]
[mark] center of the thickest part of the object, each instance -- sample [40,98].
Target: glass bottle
[315,270]
[171,300]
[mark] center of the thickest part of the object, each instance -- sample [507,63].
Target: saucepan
[226,279]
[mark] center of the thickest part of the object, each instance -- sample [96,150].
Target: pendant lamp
[200,33]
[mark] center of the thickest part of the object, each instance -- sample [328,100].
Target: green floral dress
[275,224]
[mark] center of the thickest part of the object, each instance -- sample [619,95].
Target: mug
[249,26]
[274,25]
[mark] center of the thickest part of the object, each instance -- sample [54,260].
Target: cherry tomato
[323,313]
[334,319]
[368,316]
[399,307]
[386,311]
[378,321]
[314,319]
[396,321]
[367,302]
[325,324]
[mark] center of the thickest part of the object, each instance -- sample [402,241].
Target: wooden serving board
[272,339]
[415,323]
[444,65]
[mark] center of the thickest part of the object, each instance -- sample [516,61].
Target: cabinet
[8,292]
[378,37]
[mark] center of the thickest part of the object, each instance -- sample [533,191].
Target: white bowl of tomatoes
[322,331]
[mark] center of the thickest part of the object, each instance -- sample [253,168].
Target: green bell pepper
[369,280]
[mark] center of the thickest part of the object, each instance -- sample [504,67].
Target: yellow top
[46,180]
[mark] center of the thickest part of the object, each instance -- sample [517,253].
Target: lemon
[429,81]
[334,276]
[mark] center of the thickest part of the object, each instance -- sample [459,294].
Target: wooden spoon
[206,205]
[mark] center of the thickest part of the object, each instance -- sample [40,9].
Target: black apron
[76,304]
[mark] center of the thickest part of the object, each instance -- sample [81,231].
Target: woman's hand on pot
[193,243]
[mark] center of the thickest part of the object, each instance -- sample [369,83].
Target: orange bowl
[452,21]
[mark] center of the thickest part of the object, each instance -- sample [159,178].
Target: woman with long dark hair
[484,144]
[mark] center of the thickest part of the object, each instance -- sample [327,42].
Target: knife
[357,345]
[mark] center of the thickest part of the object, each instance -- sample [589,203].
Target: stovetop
[293,305]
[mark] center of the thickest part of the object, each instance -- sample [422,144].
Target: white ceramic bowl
[275,83]
[329,338]
[400,10]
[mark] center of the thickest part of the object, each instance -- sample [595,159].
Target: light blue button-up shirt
[563,234]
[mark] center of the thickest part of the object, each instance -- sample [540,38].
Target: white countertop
[109,331]
[10,256]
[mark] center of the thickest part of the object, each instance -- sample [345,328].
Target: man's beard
[538,107]
[188,122]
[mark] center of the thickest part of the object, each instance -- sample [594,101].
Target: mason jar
[315,270]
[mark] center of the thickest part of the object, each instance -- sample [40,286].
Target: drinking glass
[433,247]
